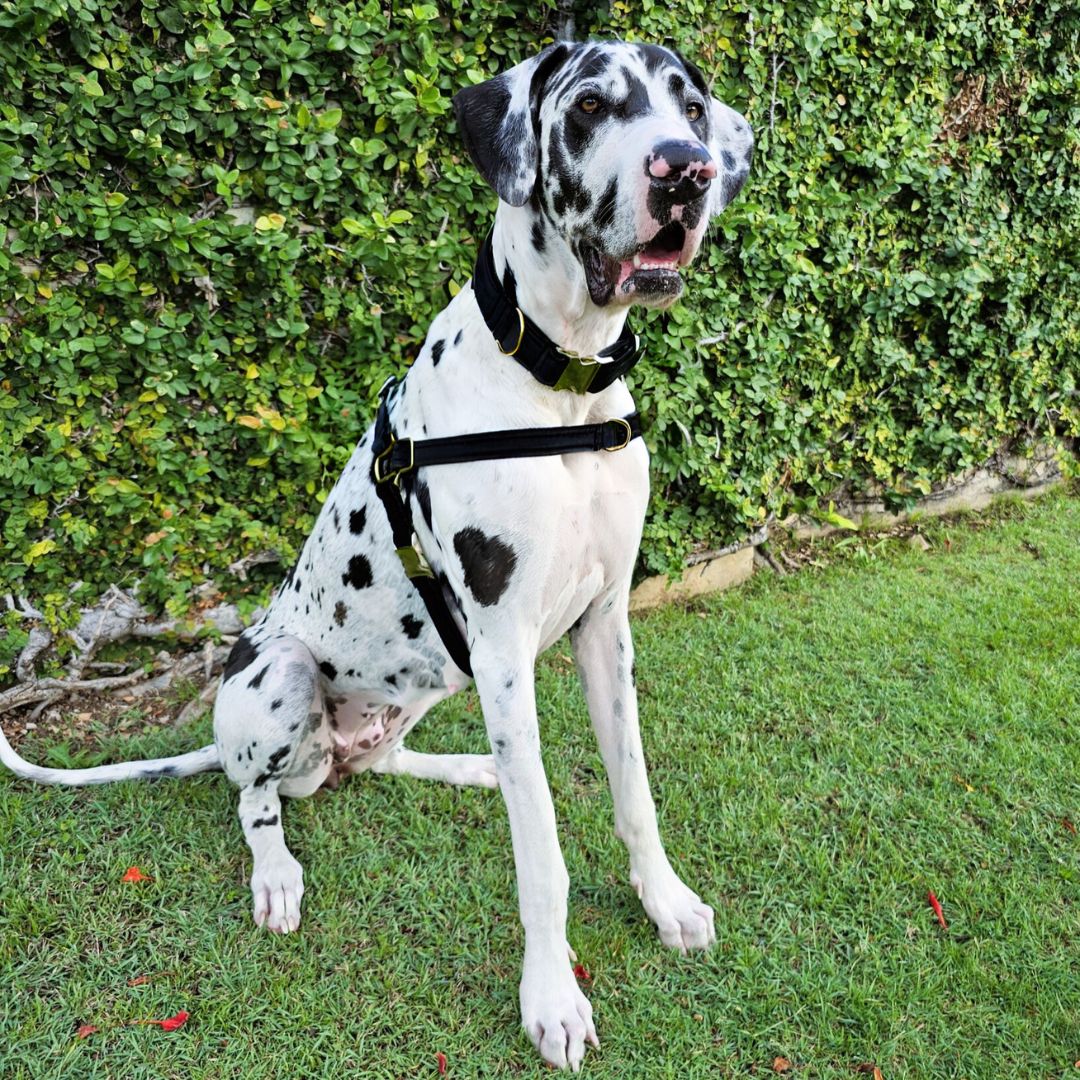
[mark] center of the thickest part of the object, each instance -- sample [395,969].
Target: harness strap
[394,458]
[399,457]
[413,562]
[518,336]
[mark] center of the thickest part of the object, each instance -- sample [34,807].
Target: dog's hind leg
[274,740]
[605,660]
[478,769]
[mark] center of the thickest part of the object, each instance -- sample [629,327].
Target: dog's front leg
[554,1012]
[604,653]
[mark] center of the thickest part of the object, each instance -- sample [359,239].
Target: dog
[608,161]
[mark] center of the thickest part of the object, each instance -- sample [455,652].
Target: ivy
[225,225]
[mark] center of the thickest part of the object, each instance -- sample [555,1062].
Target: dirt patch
[84,719]
[973,110]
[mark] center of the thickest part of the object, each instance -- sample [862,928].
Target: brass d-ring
[629,434]
[521,334]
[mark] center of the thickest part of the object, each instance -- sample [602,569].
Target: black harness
[394,458]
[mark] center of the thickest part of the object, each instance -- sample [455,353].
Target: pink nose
[682,167]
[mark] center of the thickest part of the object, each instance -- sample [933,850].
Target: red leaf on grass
[135,874]
[171,1024]
[440,1057]
[1069,825]
[933,900]
[174,1022]
[86,1029]
[581,972]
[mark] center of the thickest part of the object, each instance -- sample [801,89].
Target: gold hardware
[381,478]
[521,334]
[629,434]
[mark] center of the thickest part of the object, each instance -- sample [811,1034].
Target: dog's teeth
[637,261]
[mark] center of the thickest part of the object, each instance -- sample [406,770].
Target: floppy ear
[731,143]
[499,125]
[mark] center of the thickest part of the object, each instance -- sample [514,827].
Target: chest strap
[395,458]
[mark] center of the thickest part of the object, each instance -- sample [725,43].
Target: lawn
[825,748]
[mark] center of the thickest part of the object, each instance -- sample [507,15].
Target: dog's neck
[551,286]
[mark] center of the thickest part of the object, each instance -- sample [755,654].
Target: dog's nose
[681,169]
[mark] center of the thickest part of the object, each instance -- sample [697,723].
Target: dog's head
[618,149]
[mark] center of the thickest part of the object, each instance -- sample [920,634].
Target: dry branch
[119,617]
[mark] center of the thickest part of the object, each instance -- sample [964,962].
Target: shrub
[226,225]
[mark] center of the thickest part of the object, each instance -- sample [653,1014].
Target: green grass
[824,748]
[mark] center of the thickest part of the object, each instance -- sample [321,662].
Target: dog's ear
[500,127]
[731,143]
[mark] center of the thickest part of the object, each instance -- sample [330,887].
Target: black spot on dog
[412,626]
[340,613]
[637,98]
[241,655]
[577,131]
[655,57]
[539,241]
[296,585]
[256,682]
[502,747]
[728,159]
[457,337]
[154,774]
[487,562]
[359,573]
[275,704]
[605,208]
[273,766]
[392,680]
[328,670]
[437,351]
[258,823]
[337,521]
[509,684]
[357,520]
[633,673]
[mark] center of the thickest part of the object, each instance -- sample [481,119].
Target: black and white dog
[609,160]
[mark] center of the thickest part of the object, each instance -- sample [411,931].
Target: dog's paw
[556,1015]
[682,919]
[474,769]
[277,887]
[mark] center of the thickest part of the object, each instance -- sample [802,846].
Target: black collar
[518,336]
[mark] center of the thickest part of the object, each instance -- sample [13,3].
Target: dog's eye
[589,104]
[694,111]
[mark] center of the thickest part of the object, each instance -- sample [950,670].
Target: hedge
[226,224]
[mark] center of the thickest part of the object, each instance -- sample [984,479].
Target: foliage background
[225,224]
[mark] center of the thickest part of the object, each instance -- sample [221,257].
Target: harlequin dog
[608,160]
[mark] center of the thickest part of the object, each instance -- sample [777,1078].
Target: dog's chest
[525,541]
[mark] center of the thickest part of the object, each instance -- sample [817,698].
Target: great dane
[608,160]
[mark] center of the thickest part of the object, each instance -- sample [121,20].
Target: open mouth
[649,273]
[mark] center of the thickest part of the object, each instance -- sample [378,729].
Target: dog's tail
[197,761]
